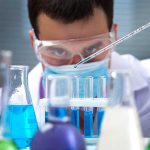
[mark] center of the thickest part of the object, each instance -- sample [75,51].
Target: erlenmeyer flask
[21,118]
[5,143]
[121,127]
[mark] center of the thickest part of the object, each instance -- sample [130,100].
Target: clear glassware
[101,93]
[58,93]
[75,111]
[58,133]
[5,58]
[120,89]
[88,111]
[120,127]
[21,119]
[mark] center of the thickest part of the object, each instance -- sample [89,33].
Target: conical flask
[120,127]
[21,118]
[5,143]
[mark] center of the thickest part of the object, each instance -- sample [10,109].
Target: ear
[115,30]
[31,37]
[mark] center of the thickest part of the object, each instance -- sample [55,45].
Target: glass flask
[120,127]
[21,118]
[5,143]
[58,133]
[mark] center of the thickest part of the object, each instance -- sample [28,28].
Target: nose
[76,59]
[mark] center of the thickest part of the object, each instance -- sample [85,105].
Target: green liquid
[7,145]
[148,147]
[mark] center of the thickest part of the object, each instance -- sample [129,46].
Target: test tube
[75,111]
[101,93]
[88,112]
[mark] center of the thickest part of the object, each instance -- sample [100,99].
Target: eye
[58,53]
[91,49]
[55,52]
[94,48]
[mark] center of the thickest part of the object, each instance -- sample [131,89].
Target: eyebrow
[57,48]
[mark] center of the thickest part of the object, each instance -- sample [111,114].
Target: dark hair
[68,11]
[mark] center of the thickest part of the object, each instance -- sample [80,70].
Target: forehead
[50,29]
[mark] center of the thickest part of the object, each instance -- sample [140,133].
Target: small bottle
[21,118]
[5,143]
[58,133]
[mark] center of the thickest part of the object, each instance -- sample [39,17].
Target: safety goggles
[63,52]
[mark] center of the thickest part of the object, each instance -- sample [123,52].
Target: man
[74,30]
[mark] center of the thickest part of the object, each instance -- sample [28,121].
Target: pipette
[131,34]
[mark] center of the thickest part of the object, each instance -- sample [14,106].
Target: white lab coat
[140,78]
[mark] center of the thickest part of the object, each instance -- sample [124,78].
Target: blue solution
[75,117]
[46,116]
[58,112]
[100,116]
[88,123]
[22,123]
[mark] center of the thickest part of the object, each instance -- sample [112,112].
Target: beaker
[21,118]
[120,126]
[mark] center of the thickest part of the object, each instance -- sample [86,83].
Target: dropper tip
[75,66]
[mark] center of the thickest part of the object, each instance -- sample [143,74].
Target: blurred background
[14,27]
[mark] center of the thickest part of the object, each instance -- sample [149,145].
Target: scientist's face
[51,29]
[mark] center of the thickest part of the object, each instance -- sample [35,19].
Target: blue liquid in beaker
[75,117]
[22,123]
[88,123]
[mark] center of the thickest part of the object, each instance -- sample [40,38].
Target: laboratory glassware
[21,118]
[5,143]
[101,93]
[121,127]
[58,133]
[75,111]
[126,37]
[88,111]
